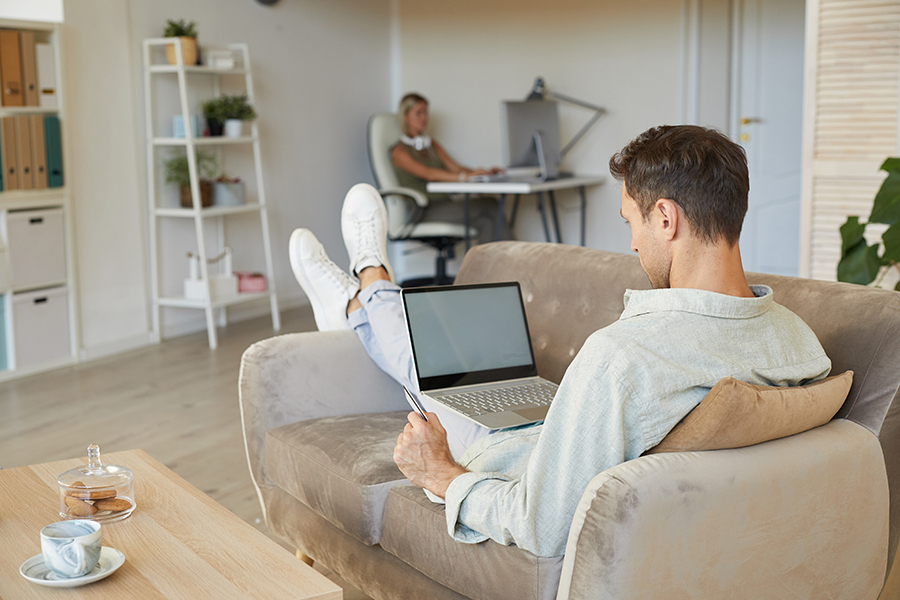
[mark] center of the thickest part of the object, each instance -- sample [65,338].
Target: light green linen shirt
[628,386]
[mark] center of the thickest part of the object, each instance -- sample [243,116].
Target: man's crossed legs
[368,301]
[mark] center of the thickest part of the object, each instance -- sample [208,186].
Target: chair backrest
[384,132]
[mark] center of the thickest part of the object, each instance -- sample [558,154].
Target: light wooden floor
[177,400]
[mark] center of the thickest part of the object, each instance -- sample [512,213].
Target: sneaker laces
[367,237]
[333,272]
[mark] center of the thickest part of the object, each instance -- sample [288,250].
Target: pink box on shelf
[251,282]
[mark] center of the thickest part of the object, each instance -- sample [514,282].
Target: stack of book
[30,152]
[27,70]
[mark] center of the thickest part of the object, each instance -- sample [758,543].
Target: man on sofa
[684,197]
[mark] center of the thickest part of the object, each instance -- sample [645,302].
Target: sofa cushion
[341,467]
[735,414]
[415,531]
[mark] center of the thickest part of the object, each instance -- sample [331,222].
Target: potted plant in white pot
[228,112]
[178,172]
[187,36]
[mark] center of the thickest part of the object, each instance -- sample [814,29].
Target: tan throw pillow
[735,414]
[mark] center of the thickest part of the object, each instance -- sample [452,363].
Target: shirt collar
[640,302]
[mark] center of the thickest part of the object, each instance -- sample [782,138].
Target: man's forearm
[438,481]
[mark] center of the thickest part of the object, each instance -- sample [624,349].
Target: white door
[768,115]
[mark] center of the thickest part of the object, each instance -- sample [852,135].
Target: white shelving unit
[152,51]
[35,340]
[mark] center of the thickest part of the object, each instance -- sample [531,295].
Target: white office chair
[406,206]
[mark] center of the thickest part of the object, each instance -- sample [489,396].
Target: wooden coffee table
[178,543]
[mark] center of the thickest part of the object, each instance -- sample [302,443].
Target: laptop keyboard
[497,400]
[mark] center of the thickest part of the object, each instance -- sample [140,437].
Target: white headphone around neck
[420,142]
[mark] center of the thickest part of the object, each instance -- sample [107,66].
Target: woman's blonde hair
[406,104]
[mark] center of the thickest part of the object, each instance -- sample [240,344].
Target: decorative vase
[234,128]
[188,51]
[178,126]
[229,194]
[215,127]
[206,195]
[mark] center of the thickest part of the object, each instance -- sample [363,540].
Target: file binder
[11,68]
[9,156]
[53,142]
[38,152]
[46,75]
[23,146]
[29,68]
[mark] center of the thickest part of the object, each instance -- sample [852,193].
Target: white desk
[502,189]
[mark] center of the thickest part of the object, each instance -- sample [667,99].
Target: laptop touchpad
[533,414]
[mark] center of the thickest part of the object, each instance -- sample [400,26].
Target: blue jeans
[382,329]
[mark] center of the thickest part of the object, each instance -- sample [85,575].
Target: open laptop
[549,170]
[472,353]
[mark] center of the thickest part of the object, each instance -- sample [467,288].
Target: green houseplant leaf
[851,233]
[177,169]
[886,208]
[860,264]
[180,28]
[891,241]
[229,107]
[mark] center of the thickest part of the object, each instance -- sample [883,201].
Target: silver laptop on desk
[549,170]
[472,353]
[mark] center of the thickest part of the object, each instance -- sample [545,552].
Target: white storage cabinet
[41,326]
[36,244]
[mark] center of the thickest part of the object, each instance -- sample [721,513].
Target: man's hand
[423,455]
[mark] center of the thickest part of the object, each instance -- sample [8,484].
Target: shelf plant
[226,108]
[187,34]
[178,172]
[861,263]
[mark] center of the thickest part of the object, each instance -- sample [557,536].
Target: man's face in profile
[645,241]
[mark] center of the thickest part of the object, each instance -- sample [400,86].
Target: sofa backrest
[570,292]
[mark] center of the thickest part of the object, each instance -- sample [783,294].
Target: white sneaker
[329,288]
[364,225]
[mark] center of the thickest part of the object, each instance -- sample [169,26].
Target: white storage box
[221,287]
[41,326]
[36,244]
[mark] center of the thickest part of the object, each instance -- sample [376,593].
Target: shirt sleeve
[593,424]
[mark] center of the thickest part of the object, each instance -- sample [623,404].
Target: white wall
[102,171]
[320,69]
[469,55]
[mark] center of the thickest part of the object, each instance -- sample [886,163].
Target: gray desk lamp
[539,92]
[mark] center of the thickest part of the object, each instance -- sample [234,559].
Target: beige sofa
[808,516]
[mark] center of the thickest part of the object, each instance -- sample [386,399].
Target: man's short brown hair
[700,169]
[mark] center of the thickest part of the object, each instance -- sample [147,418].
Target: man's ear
[669,217]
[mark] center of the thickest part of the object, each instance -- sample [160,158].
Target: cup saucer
[36,571]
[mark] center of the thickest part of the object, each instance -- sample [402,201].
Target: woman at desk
[418,159]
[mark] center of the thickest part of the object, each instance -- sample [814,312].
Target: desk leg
[583,211]
[466,220]
[540,203]
[555,216]
[500,217]
[512,216]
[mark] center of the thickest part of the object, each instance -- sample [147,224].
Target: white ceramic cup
[71,548]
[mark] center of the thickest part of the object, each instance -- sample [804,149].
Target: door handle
[748,120]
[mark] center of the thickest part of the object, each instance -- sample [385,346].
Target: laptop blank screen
[468,334]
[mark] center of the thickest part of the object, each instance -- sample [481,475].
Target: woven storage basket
[188,51]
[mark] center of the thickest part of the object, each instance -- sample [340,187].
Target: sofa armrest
[295,377]
[804,516]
